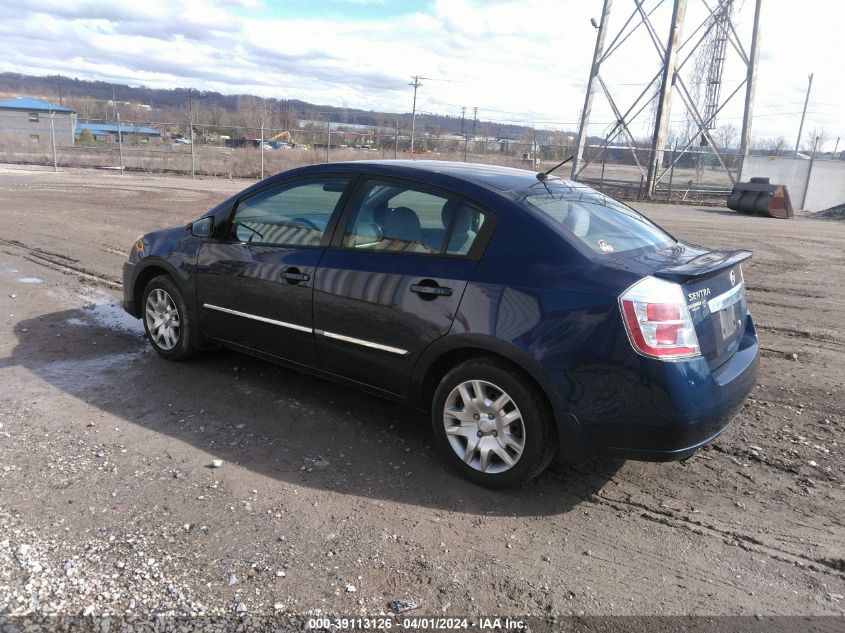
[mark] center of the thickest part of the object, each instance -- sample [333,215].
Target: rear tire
[492,424]
[167,321]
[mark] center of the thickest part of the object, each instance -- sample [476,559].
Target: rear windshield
[605,225]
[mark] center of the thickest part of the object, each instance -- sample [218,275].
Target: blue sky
[523,61]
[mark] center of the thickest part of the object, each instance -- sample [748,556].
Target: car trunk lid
[714,290]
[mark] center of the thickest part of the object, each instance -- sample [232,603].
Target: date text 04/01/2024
[416,623]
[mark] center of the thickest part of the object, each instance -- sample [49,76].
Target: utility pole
[416,84]
[113,106]
[119,142]
[835,149]
[474,119]
[191,133]
[328,138]
[53,141]
[262,147]
[664,104]
[804,113]
[463,130]
[396,140]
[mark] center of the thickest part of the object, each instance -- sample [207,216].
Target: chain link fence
[256,152]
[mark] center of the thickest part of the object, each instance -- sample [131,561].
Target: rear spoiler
[703,265]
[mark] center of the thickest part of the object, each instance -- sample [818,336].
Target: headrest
[403,224]
[464,223]
[578,220]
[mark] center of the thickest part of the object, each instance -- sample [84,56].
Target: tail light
[657,320]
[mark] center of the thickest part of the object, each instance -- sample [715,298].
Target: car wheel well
[144,277]
[447,361]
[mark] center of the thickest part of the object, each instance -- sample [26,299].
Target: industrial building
[129,133]
[29,120]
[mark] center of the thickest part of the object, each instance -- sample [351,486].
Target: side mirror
[202,227]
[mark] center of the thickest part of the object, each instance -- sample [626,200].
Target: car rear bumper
[662,455]
[674,408]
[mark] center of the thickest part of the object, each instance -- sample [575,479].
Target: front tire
[491,423]
[167,322]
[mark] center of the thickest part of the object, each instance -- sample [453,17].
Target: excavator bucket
[759,196]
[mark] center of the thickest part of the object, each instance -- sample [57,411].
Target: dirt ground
[332,500]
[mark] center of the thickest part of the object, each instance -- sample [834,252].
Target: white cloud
[518,60]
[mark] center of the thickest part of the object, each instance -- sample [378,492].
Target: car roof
[493,176]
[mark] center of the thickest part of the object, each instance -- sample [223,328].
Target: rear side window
[293,214]
[398,218]
[603,224]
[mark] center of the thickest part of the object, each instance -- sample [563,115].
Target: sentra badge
[699,294]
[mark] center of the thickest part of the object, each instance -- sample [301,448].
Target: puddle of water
[30,280]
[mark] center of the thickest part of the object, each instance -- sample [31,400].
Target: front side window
[295,214]
[399,218]
[603,224]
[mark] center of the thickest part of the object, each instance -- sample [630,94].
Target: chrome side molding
[308,330]
[362,342]
[255,317]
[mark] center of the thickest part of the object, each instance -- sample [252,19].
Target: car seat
[402,230]
[462,234]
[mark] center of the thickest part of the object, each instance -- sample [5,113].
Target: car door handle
[294,276]
[431,290]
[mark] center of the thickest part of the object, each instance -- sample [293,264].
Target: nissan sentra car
[536,318]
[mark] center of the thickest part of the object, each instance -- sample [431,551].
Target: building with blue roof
[29,120]
[32,104]
[108,132]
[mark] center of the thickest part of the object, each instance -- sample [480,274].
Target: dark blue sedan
[533,316]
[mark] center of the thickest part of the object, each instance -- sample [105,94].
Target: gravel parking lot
[328,499]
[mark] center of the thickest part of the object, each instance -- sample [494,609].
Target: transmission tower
[706,76]
[714,34]
[714,52]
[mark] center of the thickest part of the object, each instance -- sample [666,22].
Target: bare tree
[815,140]
[217,116]
[725,136]
[249,111]
[773,146]
[778,145]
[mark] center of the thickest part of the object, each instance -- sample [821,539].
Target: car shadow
[272,420]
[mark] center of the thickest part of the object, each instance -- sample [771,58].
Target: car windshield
[602,223]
